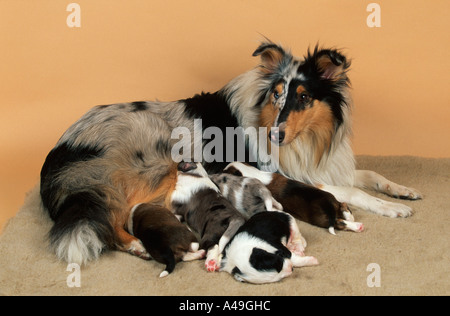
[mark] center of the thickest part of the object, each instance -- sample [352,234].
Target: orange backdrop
[133,50]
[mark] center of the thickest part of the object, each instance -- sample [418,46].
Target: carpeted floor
[413,254]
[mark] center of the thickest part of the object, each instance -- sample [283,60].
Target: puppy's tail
[169,259]
[331,230]
[329,210]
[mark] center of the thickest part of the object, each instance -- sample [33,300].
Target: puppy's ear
[271,55]
[186,166]
[331,64]
[261,259]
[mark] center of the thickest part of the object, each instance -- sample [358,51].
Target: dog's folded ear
[331,64]
[271,55]
[261,259]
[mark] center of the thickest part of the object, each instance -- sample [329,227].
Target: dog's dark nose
[277,136]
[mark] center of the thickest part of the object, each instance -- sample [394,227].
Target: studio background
[132,50]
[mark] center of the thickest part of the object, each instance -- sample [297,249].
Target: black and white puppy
[207,212]
[166,239]
[265,249]
[249,195]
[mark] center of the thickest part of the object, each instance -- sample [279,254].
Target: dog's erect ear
[332,64]
[271,55]
[186,166]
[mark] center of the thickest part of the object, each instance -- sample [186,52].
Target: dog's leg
[360,199]
[353,226]
[131,244]
[213,258]
[194,253]
[296,243]
[367,179]
[214,255]
[303,261]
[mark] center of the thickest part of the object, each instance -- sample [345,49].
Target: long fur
[112,158]
[119,155]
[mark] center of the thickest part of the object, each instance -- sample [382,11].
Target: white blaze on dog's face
[250,259]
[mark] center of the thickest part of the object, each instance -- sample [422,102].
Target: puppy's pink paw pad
[211,265]
[360,227]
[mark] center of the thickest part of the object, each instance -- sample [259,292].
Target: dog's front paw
[136,248]
[391,209]
[410,194]
[401,192]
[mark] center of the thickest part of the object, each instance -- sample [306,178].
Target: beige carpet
[413,253]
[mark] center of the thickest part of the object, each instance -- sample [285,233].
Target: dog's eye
[276,95]
[304,97]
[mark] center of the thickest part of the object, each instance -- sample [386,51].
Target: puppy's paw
[354,226]
[212,265]
[213,259]
[300,261]
[297,248]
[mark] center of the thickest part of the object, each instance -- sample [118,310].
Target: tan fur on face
[268,115]
[314,124]
[267,119]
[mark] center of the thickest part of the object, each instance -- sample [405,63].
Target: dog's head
[305,96]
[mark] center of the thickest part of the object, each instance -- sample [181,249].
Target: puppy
[166,239]
[198,201]
[305,202]
[248,195]
[265,249]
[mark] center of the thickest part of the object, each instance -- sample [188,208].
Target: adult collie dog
[119,155]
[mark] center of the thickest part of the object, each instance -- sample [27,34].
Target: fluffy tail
[82,229]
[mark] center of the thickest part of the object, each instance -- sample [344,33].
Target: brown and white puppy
[249,195]
[304,202]
[199,202]
[166,239]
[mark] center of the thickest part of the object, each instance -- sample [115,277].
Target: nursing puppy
[198,201]
[164,237]
[305,202]
[248,195]
[265,249]
[119,155]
